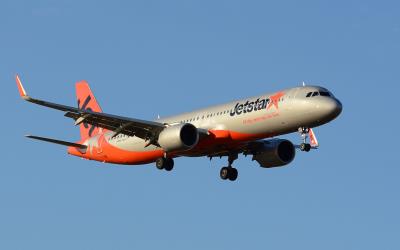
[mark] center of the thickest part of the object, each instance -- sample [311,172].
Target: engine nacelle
[179,137]
[275,153]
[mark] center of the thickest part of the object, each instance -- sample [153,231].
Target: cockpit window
[319,93]
[324,93]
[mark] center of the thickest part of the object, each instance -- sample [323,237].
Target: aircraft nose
[331,108]
[339,107]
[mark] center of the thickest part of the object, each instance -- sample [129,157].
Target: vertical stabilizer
[87,101]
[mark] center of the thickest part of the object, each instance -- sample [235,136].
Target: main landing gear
[306,147]
[165,163]
[229,172]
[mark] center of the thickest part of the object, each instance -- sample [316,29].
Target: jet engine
[178,137]
[275,153]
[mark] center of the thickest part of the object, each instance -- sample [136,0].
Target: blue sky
[144,58]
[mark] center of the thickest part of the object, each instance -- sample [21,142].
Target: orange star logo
[274,100]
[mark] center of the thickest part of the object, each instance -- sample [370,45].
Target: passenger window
[315,94]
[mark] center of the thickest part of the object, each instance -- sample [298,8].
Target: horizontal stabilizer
[65,143]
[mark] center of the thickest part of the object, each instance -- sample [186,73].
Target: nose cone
[331,108]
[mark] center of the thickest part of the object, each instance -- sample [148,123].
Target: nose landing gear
[305,147]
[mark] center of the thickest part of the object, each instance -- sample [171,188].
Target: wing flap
[121,125]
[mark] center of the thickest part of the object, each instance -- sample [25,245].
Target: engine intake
[177,138]
[275,153]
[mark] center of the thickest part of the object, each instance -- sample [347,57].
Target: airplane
[248,126]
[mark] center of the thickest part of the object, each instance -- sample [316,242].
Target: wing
[147,130]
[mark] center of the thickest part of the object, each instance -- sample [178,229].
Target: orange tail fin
[87,101]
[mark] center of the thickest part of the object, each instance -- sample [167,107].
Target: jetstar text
[249,106]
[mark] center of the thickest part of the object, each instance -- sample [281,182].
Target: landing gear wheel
[169,164]
[233,174]
[228,173]
[160,163]
[165,163]
[305,147]
[304,132]
[224,173]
